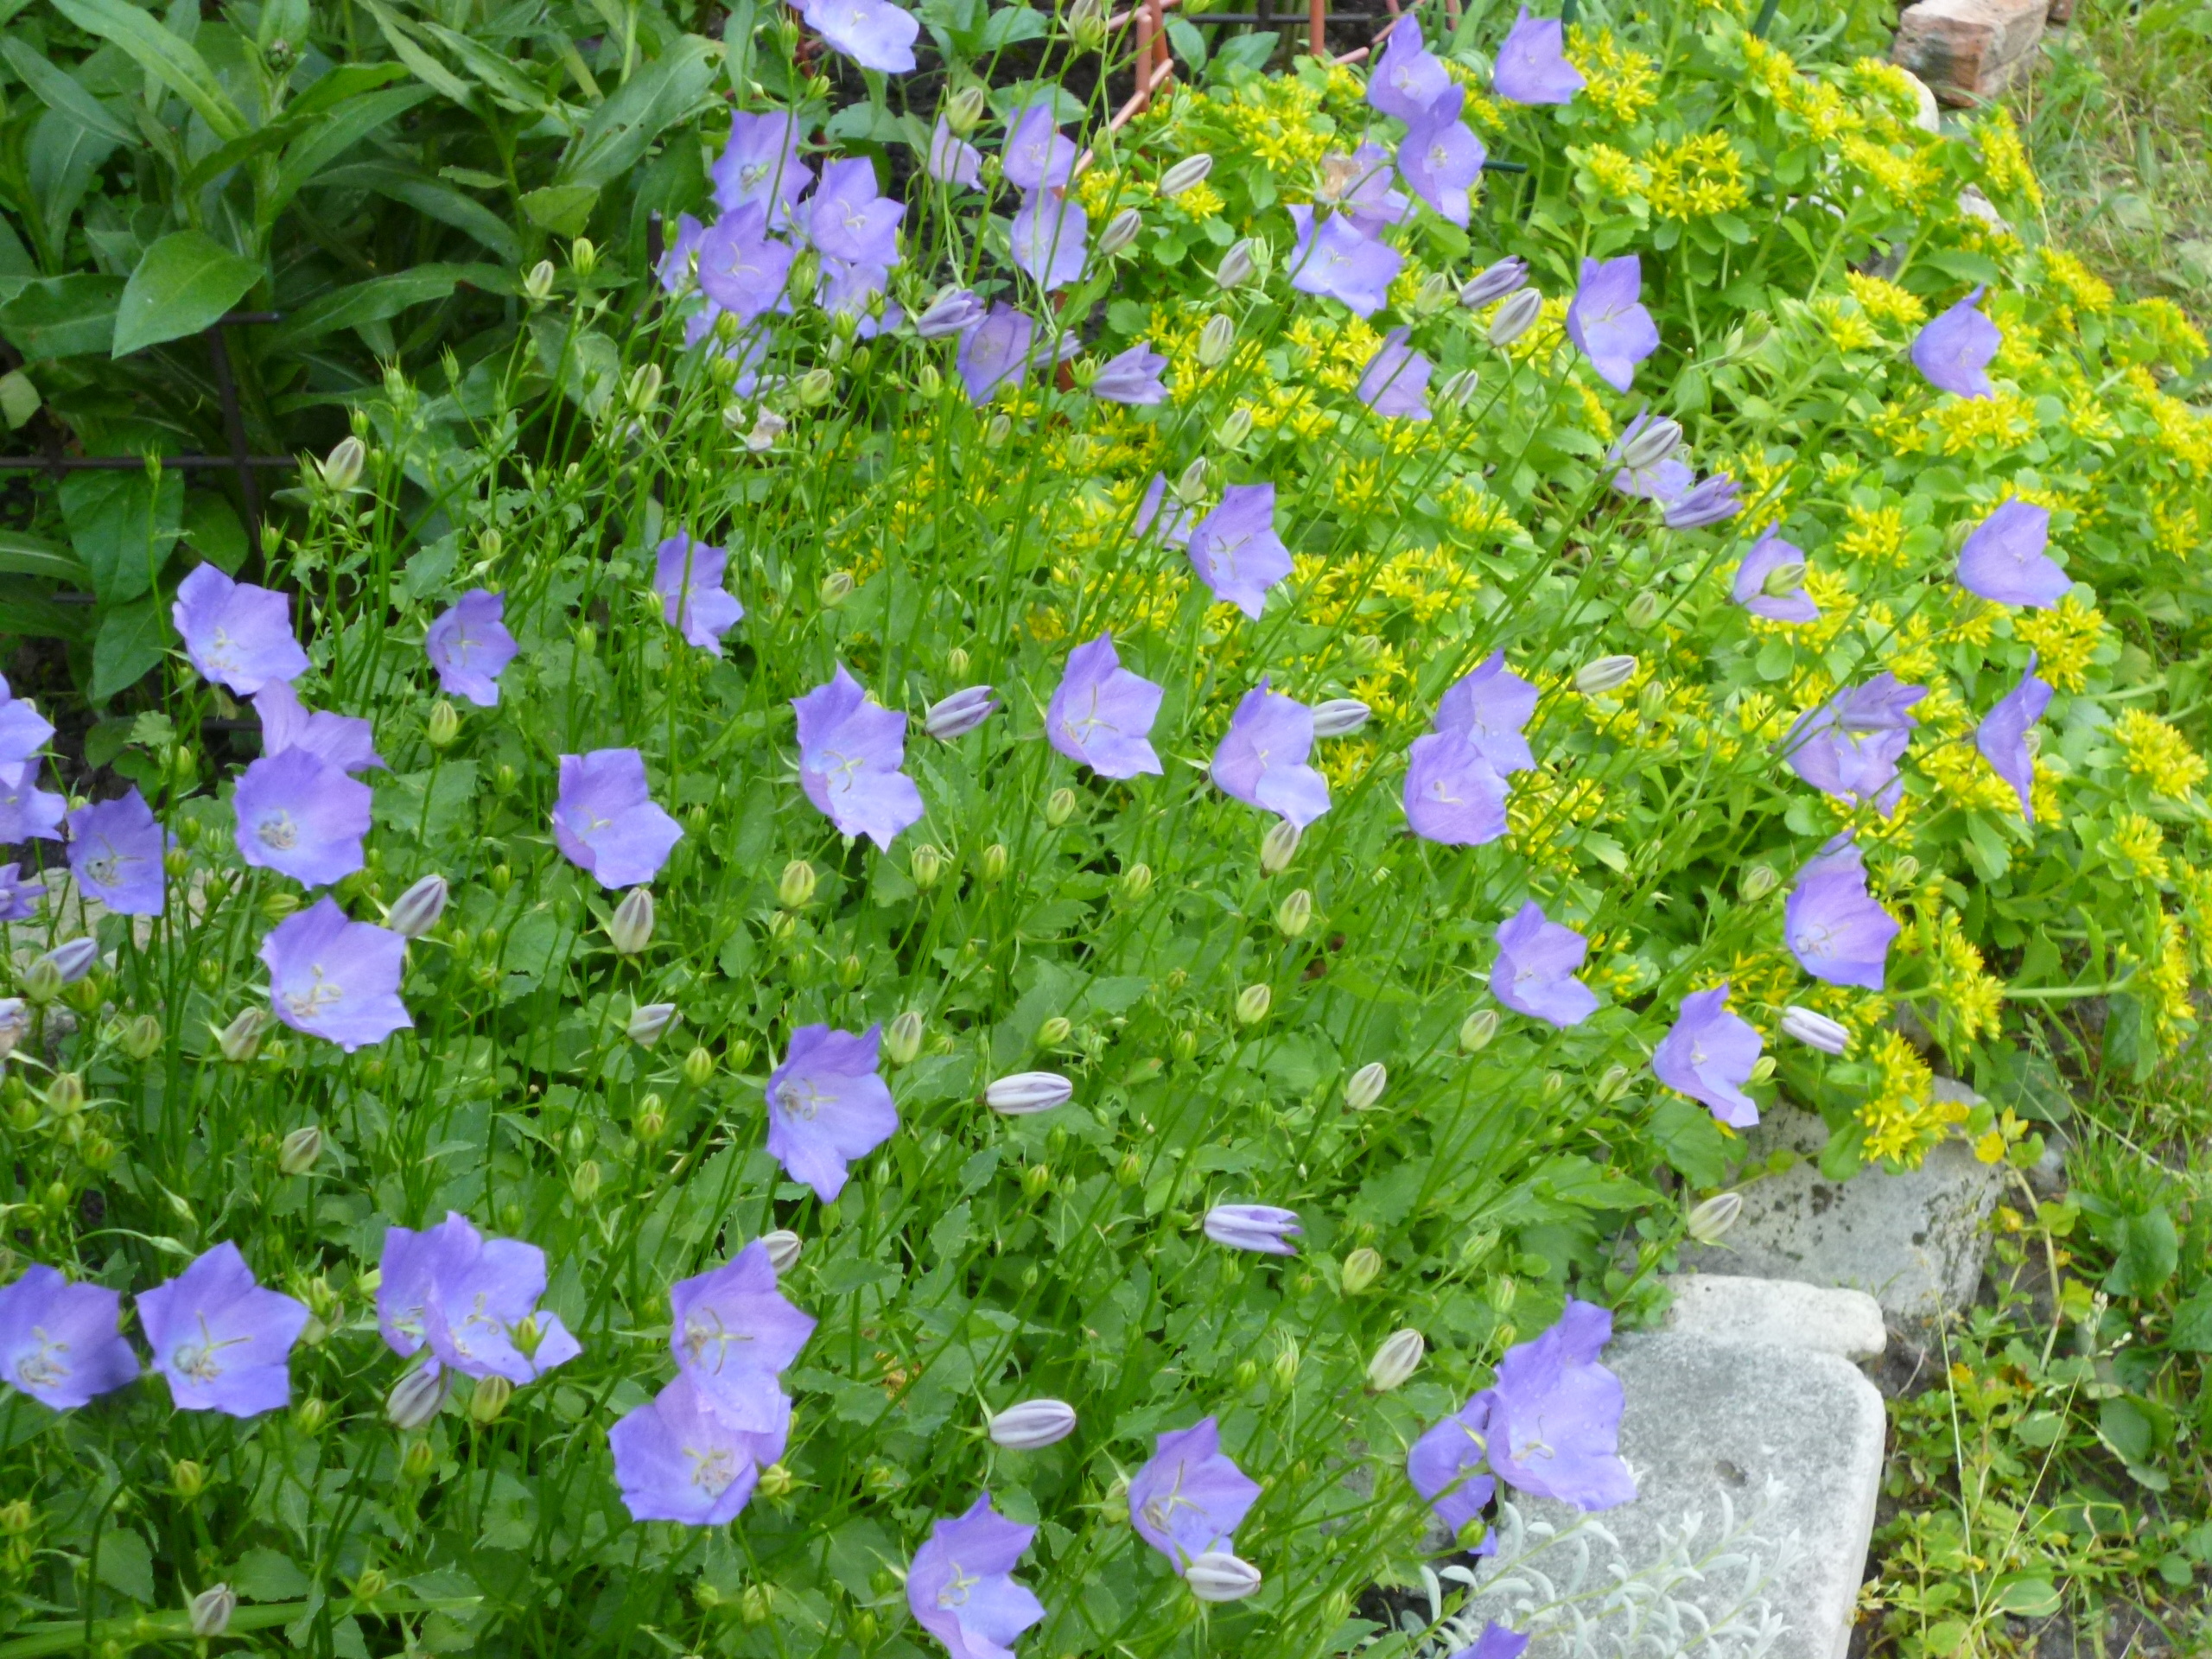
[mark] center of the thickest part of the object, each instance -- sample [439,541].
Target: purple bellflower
[1034,155]
[115,853]
[223,1341]
[28,812]
[1453,795]
[470,647]
[1490,708]
[735,1333]
[1767,555]
[19,894]
[1555,1418]
[338,740]
[605,822]
[302,816]
[24,730]
[1496,1642]
[335,979]
[828,1105]
[2002,737]
[847,289]
[742,268]
[848,218]
[961,1587]
[1607,323]
[1955,349]
[954,311]
[1534,972]
[236,634]
[1709,1055]
[1396,381]
[1266,1228]
[2003,558]
[688,575]
[760,167]
[679,1458]
[1357,187]
[1408,78]
[1712,502]
[953,159]
[1235,549]
[995,353]
[1532,65]
[1449,1464]
[1833,927]
[1101,714]
[1849,746]
[674,270]
[1189,1498]
[873,34]
[1333,258]
[472,1300]
[1261,760]
[60,1342]
[1049,237]
[850,750]
[1494,282]
[1440,159]
[1132,377]
[1174,523]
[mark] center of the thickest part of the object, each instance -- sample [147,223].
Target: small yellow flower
[2159,753]
[2136,844]
[1885,301]
[2064,638]
[1695,178]
[1875,536]
[1622,83]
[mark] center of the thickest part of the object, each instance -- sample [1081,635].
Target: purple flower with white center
[1332,259]
[995,353]
[1261,760]
[954,716]
[1034,155]
[1449,1465]
[1408,78]
[1265,1228]
[1049,237]
[1849,746]
[1190,1498]
[680,1459]
[115,853]
[873,34]
[605,822]
[24,730]
[760,166]
[60,1342]
[2003,558]
[953,159]
[742,267]
[1555,1415]
[850,750]
[1235,549]
[735,1334]
[336,979]
[1440,159]
[238,635]
[2002,737]
[1833,927]
[1496,1642]
[302,816]
[223,1341]
[1711,502]
[1532,65]
[1132,377]
[1174,523]
[961,1587]
[1101,714]
[1358,186]
[1750,589]
[1396,381]
[338,740]
[675,270]
[1607,323]
[19,894]
[1453,795]
[1709,1056]
[472,1301]
[828,1105]
[1490,708]
[1535,971]
[688,575]
[849,218]
[470,647]
[1955,348]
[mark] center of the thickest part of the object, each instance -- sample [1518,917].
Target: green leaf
[60,92]
[25,610]
[2026,1595]
[331,137]
[168,58]
[126,1563]
[62,163]
[371,302]
[130,641]
[661,93]
[425,68]
[123,528]
[185,281]
[1690,1142]
[24,555]
[2147,1251]
[2192,1326]
[563,209]
[211,526]
[426,195]
[62,316]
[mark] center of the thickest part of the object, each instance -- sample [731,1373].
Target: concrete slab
[1724,1308]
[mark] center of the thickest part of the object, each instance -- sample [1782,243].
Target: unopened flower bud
[1237,266]
[650,1021]
[1494,282]
[1252,1003]
[209,1612]
[782,1246]
[1187,175]
[1364,1087]
[1457,390]
[1286,1363]
[1606,674]
[142,1037]
[1647,443]
[1216,1575]
[1184,1046]
[644,389]
[963,109]
[418,1396]
[240,1041]
[1432,296]
[1029,1092]
[537,282]
[1816,1030]
[1191,484]
[997,430]
[584,1180]
[1763,1069]
[74,960]
[1477,1030]
[1120,231]
[1516,317]
[1033,1425]
[1236,427]
[1035,1179]
[1905,871]
[1714,1216]
[1052,1033]
[443,725]
[1758,881]
[776,1481]
[795,888]
[927,864]
[1642,611]
[1340,717]
[300,1151]
[1362,1269]
[757,1604]
[1136,881]
[1059,806]
[371,1583]
[992,866]
[186,1479]
[65,1095]
[1611,1085]
[929,382]
[1294,914]
[42,980]
[816,385]
[959,714]
[1216,339]
[1784,579]
[490,1398]
[1398,1358]
[630,928]
[1278,847]
[420,1458]
[1087,23]
[417,910]
[902,1038]
[341,468]
[699,1066]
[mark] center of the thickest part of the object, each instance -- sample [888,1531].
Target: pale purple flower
[1396,380]
[1034,155]
[1532,65]
[953,159]
[1101,714]
[1408,78]
[954,716]
[961,1587]
[60,1342]
[847,289]
[72,959]
[1453,795]
[873,34]
[1768,554]
[302,816]
[1267,1228]
[1535,971]
[605,822]
[336,979]
[1235,549]
[1711,502]
[238,635]
[1849,746]
[674,270]
[28,812]
[760,166]
[470,647]
[742,267]
[1490,708]
[1833,927]
[1190,1498]
[1049,237]
[472,1300]
[24,730]
[1174,523]
[1495,282]
[688,575]
[735,1334]
[1261,760]
[1607,323]
[1358,186]
[995,353]
[2004,559]
[1709,1056]
[115,853]
[848,218]
[223,1341]
[850,750]
[2002,737]
[1555,1415]
[1332,259]
[828,1105]
[1132,377]
[1665,480]
[1449,1464]
[1955,349]
[338,740]
[679,1458]
[952,312]
[1440,159]
[1496,1642]
[19,894]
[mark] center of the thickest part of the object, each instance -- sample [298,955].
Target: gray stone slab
[1914,1242]
[1724,1308]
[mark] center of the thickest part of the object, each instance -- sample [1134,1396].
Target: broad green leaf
[62,316]
[662,92]
[348,80]
[130,641]
[2147,1249]
[2192,1326]
[64,158]
[161,55]
[25,610]
[185,281]
[23,554]
[331,137]
[59,91]
[211,526]
[425,68]
[439,201]
[500,77]
[126,1563]
[372,301]
[563,209]
[122,527]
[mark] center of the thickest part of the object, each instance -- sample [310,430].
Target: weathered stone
[1927,117]
[2061,12]
[1969,50]
[1724,1308]
[1914,1242]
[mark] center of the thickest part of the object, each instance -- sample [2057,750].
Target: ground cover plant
[1001,912]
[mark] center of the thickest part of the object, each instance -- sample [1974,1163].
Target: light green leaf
[126,1563]
[212,528]
[63,159]
[563,209]
[662,92]
[185,281]
[62,316]
[425,68]
[167,58]
[23,554]
[122,527]
[59,91]
[331,137]
[130,642]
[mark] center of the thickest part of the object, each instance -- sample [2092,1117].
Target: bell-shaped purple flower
[742,267]
[1132,377]
[1607,322]
[223,1341]
[1440,159]
[1408,78]
[995,353]
[850,750]
[952,160]
[1496,1642]
[2002,737]
[1556,1416]
[951,718]
[1955,348]
[1357,187]
[236,634]
[1396,381]
[1449,1464]
[1535,971]
[302,816]
[1034,155]
[735,1333]
[1767,555]
[28,812]
[1453,795]
[19,894]
[760,167]
[472,1301]
[1101,714]
[688,575]
[872,33]
[961,1588]
[605,822]
[115,853]
[1849,746]
[1494,282]
[1049,237]
[1709,1056]
[1190,1498]
[1174,523]
[828,1105]
[1833,927]
[335,979]
[849,290]
[1261,760]
[954,311]
[60,1342]
[342,741]
[848,218]
[1333,258]
[1490,708]
[1235,549]
[24,730]
[674,270]
[1532,65]
[2004,559]
[679,1458]
[1266,1228]
[470,647]
[1710,502]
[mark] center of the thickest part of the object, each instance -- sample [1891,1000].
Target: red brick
[1969,50]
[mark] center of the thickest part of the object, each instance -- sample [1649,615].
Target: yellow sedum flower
[2064,639]
[2159,753]
[1622,83]
[2138,846]
[1695,178]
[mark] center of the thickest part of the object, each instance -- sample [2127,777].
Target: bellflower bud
[1611,1085]
[1252,1003]
[418,1396]
[72,960]
[1120,231]
[1784,579]
[927,863]
[1711,1219]
[341,468]
[1192,483]
[1641,611]
[1459,388]
[959,714]
[1477,1030]
[1237,266]
[1033,1425]
[1236,427]
[1087,23]
[630,928]
[1516,317]
[537,282]
[963,109]
[1059,806]
[240,1041]
[902,1038]
[415,911]
[992,866]
[644,389]
[650,1022]
[1606,674]
[1816,1030]
[1362,1269]
[1494,282]
[1340,717]
[1215,341]
[795,888]
[140,1037]
[1647,442]
[1432,296]
[1136,881]
[65,1095]
[417,1462]
[210,1610]
[1762,1069]
[1026,1093]
[42,980]
[1187,175]
[782,1246]
[188,1479]
[699,1066]
[443,726]
[1219,1576]
[490,1398]
[1758,881]
[1364,1087]
[300,1151]
[1294,914]
[1278,847]
[1398,1358]
[816,386]
[1052,1033]
[584,1180]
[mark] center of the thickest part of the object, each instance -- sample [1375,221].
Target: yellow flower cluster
[1901,1114]
[1875,536]
[1622,83]
[1279,119]
[2138,846]
[2082,286]
[2177,532]
[1907,179]
[1884,302]
[1847,327]
[1967,993]
[2173,1011]
[2159,753]
[2064,639]
[2006,420]
[2005,166]
[1615,172]
[1695,178]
